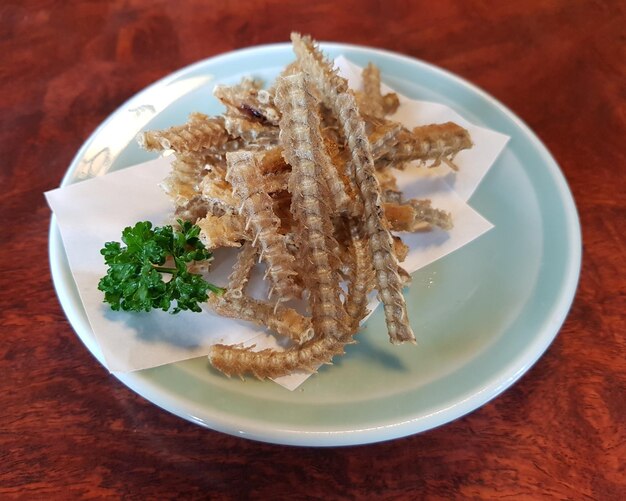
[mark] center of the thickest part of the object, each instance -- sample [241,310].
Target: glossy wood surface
[69,430]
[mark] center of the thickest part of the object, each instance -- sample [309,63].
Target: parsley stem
[216,290]
[164,269]
[213,288]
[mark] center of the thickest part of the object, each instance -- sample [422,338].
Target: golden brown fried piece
[250,100]
[384,137]
[272,364]
[416,215]
[238,279]
[257,207]
[222,231]
[254,134]
[285,321]
[218,196]
[340,99]
[200,132]
[431,143]
[183,182]
[387,181]
[372,102]
[304,150]
[361,278]
[425,213]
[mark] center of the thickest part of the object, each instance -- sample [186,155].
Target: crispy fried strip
[222,231]
[218,194]
[273,162]
[253,134]
[311,354]
[337,97]
[346,192]
[416,215]
[238,279]
[183,182]
[285,321]
[198,133]
[304,150]
[372,98]
[437,143]
[425,213]
[337,185]
[400,216]
[272,364]
[249,99]
[361,278]
[384,137]
[256,205]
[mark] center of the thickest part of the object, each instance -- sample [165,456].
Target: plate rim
[247,428]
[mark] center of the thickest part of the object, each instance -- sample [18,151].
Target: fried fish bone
[338,97]
[257,206]
[301,176]
[304,150]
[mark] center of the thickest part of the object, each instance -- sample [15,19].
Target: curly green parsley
[134,280]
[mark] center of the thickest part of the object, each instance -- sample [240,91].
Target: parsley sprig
[134,280]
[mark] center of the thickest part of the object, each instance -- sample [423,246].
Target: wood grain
[68,430]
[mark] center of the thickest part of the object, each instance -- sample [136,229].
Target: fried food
[303,148]
[416,215]
[361,276]
[250,100]
[269,363]
[371,101]
[435,143]
[238,279]
[285,321]
[338,97]
[257,207]
[222,231]
[300,177]
[199,133]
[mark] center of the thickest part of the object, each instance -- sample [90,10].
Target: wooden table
[70,430]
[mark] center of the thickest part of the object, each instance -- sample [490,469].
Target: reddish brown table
[70,430]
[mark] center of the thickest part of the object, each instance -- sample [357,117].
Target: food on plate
[300,177]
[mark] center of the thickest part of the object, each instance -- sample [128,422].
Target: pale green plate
[483,315]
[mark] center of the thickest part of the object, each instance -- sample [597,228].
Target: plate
[483,315]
